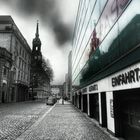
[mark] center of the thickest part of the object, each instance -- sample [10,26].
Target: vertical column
[82,102]
[74,99]
[100,109]
[88,105]
[78,101]
[0,78]
[110,112]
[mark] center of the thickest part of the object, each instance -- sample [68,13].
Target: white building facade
[106,64]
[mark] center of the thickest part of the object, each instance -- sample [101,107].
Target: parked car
[51,100]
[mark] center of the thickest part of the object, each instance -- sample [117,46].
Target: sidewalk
[64,122]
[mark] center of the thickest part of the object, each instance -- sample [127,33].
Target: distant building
[43,91]
[64,90]
[65,87]
[13,41]
[57,89]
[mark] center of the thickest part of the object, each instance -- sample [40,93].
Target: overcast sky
[56,23]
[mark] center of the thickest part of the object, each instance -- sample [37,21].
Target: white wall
[100,108]
[82,102]
[88,103]
[110,119]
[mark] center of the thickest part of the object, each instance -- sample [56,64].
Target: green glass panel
[99,63]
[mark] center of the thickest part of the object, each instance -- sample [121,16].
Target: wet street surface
[64,122]
[15,118]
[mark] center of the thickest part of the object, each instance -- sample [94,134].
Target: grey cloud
[49,13]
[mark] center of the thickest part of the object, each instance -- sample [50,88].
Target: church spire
[36,40]
[37,30]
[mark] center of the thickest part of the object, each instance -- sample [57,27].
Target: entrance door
[73,100]
[12,94]
[76,100]
[85,103]
[80,101]
[94,106]
[3,98]
[103,109]
[129,114]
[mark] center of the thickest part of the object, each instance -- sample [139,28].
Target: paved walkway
[15,118]
[64,122]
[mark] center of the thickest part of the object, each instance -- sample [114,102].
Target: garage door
[129,114]
[94,106]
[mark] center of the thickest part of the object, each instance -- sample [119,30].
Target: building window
[18,75]
[4,71]
[14,74]
[25,67]
[22,65]
[25,56]
[23,53]
[20,50]
[19,63]
[21,76]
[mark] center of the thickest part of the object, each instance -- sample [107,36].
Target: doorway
[85,103]
[80,100]
[3,96]
[103,109]
[127,113]
[94,106]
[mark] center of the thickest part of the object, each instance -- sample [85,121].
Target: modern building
[106,64]
[15,44]
[57,90]
[70,75]
[39,92]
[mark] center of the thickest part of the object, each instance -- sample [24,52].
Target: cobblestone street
[15,118]
[64,122]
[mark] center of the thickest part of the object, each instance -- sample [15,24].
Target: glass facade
[116,25]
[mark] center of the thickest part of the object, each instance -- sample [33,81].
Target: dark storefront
[85,103]
[127,114]
[94,106]
[80,100]
[75,101]
[103,109]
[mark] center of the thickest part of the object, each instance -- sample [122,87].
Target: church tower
[36,50]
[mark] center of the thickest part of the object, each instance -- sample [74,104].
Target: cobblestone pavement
[64,122]
[15,118]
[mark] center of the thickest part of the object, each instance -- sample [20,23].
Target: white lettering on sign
[93,87]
